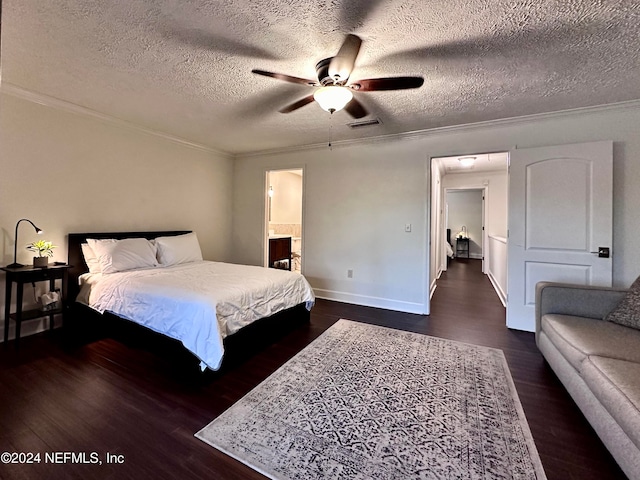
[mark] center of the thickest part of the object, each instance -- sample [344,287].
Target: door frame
[265,215]
[437,242]
[485,192]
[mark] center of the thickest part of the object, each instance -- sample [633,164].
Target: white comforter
[197,303]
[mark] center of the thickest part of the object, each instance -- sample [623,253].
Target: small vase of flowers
[44,249]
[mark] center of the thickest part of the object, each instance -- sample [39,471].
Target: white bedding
[197,303]
[449,250]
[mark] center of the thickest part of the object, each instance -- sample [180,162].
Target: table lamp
[15,263]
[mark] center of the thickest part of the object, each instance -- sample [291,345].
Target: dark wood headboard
[76,259]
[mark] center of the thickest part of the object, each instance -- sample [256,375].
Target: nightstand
[462,247]
[30,274]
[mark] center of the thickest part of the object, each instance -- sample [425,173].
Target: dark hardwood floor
[143,400]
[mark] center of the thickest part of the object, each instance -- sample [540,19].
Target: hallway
[465,296]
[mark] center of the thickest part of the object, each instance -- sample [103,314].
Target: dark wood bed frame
[253,335]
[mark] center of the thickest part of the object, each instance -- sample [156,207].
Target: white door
[560,217]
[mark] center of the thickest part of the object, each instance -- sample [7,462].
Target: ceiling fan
[333,92]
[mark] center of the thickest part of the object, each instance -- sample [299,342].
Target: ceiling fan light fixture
[333,98]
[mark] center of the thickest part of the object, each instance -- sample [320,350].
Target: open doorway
[283,220]
[465,223]
[485,178]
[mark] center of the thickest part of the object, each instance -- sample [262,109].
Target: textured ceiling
[183,67]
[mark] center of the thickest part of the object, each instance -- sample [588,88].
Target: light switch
[407,228]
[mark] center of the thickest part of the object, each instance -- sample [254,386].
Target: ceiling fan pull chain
[330,132]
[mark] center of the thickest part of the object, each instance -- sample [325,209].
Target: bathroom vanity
[280,252]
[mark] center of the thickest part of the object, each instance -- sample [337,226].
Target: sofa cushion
[627,312]
[616,384]
[579,337]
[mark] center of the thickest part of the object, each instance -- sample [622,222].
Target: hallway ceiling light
[467,162]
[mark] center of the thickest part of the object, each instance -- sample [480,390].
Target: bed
[196,302]
[448,246]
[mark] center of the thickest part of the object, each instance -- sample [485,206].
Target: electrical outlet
[349,273]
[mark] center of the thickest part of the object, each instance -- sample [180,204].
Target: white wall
[497,268]
[465,209]
[70,172]
[357,202]
[360,195]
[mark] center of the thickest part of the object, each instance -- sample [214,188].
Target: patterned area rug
[368,402]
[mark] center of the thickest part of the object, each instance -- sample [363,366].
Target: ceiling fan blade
[286,78]
[505,43]
[296,105]
[263,103]
[342,64]
[391,83]
[355,109]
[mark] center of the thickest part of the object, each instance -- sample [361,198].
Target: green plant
[42,247]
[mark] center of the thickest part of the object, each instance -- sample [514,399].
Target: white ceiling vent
[365,123]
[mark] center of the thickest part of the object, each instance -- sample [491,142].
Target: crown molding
[58,104]
[453,129]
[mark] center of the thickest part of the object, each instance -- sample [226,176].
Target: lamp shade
[333,97]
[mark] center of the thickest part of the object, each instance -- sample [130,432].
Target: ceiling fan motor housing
[322,70]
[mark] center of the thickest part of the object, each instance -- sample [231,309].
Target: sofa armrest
[579,300]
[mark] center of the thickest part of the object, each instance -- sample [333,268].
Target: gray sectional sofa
[597,360]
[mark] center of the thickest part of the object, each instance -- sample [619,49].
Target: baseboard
[501,295]
[433,287]
[368,301]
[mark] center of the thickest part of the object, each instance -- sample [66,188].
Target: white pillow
[90,258]
[127,254]
[178,249]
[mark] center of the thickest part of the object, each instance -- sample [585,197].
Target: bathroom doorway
[283,219]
